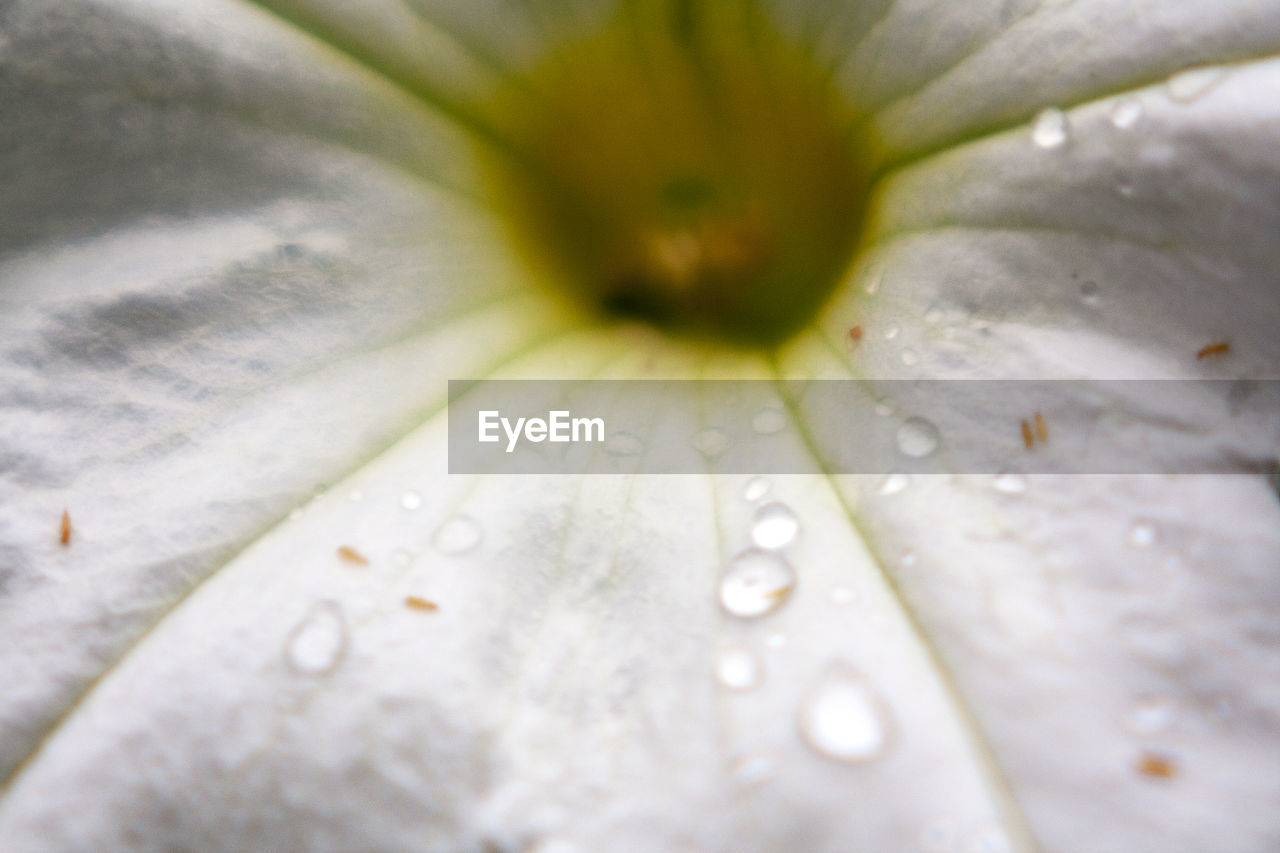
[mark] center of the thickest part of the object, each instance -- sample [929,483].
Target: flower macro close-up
[251,600]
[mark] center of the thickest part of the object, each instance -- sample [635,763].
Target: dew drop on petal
[1143,533]
[752,770]
[917,438]
[623,444]
[756,583]
[891,333]
[318,642]
[884,408]
[776,641]
[894,484]
[296,513]
[457,535]
[1126,113]
[401,558]
[844,718]
[1089,292]
[738,669]
[411,500]
[841,595]
[909,558]
[774,526]
[1192,84]
[1150,715]
[769,421]
[910,357]
[755,489]
[355,496]
[1009,484]
[1050,128]
[711,442]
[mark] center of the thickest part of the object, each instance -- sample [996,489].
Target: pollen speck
[64,529]
[1027,438]
[1216,348]
[1042,429]
[351,555]
[1156,765]
[416,602]
[853,337]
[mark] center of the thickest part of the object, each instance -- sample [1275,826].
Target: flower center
[687,164]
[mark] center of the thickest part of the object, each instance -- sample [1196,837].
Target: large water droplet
[316,645]
[1126,113]
[917,438]
[775,526]
[738,669]
[1050,129]
[894,484]
[756,583]
[711,442]
[755,489]
[1143,533]
[844,718]
[1150,715]
[411,500]
[1194,83]
[769,421]
[457,535]
[1009,484]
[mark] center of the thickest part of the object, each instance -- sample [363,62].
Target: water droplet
[401,558]
[296,513]
[873,282]
[774,526]
[891,333]
[711,442]
[989,838]
[457,535]
[1150,715]
[844,717]
[318,642]
[894,484]
[755,489]
[910,357]
[411,500]
[934,316]
[884,408]
[1125,189]
[1089,292]
[1187,86]
[623,444]
[841,595]
[738,669]
[909,558]
[776,641]
[355,496]
[752,770]
[1050,128]
[1009,484]
[756,583]
[917,438]
[1143,533]
[1126,113]
[768,421]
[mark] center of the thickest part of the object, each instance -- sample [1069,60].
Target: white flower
[243,247]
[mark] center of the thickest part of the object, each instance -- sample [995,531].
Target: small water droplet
[623,444]
[1192,84]
[1143,533]
[401,558]
[411,500]
[1089,292]
[891,333]
[1050,129]
[774,526]
[1125,189]
[1150,715]
[844,717]
[917,438]
[884,408]
[457,535]
[894,484]
[756,583]
[768,421]
[738,669]
[318,642]
[909,558]
[752,770]
[873,282]
[841,595]
[776,641]
[1126,113]
[355,496]
[910,357]
[296,513]
[710,442]
[1009,484]
[934,316]
[755,489]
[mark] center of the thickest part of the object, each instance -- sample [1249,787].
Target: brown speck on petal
[854,335]
[1157,765]
[417,602]
[64,529]
[1027,438]
[1216,348]
[1042,429]
[351,555]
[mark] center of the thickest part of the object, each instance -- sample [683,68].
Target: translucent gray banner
[864,427]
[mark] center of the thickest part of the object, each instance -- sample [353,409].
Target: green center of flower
[686,164]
